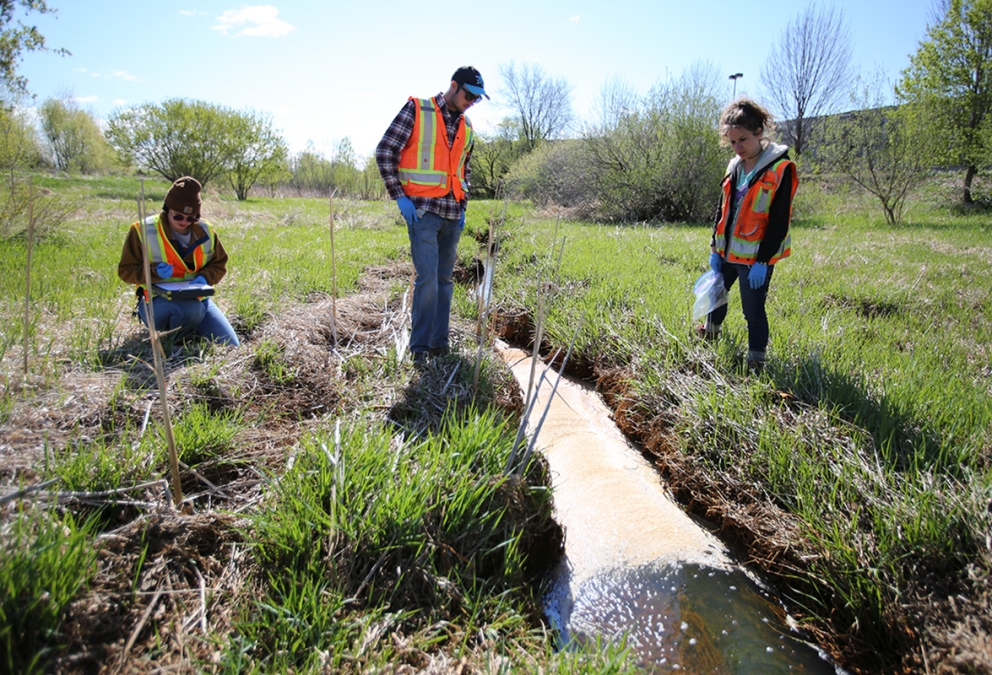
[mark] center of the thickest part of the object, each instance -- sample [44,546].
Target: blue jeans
[752,304]
[190,317]
[433,243]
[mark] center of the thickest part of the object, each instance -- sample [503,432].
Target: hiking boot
[439,352]
[708,331]
[756,362]
[420,360]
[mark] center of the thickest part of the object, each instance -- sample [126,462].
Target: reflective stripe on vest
[428,167]
[751,218]
[160,249]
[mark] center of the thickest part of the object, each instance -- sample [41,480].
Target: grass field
[856,471]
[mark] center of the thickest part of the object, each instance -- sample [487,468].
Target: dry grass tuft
[167,578]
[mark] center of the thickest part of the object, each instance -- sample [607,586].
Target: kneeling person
[182,247]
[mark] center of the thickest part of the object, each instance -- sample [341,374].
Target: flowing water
[636,565]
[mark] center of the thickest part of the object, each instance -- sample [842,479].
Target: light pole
[734,78]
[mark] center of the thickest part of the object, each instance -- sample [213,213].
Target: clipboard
[182,290]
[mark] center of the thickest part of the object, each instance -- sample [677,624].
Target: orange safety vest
[428,166]
[751,219]
[160,249]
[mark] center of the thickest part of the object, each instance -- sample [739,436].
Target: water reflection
[686,618]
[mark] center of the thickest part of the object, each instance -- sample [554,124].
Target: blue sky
[329,69]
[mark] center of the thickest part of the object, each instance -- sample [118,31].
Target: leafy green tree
[878,147]
[949,83]
[312,173]
[74,138]
[15,39]
[19,147]
[493,156]
[658,157]
[370,184]
[177,138]
[19,153]
[345,176]
[258,152]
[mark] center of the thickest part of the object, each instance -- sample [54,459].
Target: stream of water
[636,565]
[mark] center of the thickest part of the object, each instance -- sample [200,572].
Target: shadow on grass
[904,442]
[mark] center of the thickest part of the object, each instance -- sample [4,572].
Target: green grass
[428,528]
[881,338]
[422,527]
[419,537]
[279,248]
[46,559]
[870,428]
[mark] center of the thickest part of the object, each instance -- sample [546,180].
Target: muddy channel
[636,566]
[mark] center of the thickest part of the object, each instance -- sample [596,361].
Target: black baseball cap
[471,79]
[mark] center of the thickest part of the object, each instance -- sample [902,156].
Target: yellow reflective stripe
[208,246]
[423,177]
[151,237]
[744,249]
[786,245]
[428,132]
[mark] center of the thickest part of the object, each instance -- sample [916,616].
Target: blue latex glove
[461,222]
[200,279]
[163,270]
[716,262]
[408,210]
[757,274]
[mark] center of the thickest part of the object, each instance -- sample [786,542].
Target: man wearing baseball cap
[424,161]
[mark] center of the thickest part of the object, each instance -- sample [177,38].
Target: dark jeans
[190,317]
[752,304]
[433,244]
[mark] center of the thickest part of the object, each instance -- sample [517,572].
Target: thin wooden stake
[27,276]
[334,274]
[485,301]
[547,407]
[159,356]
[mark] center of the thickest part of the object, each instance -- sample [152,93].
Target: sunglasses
[469,96]
[181,218]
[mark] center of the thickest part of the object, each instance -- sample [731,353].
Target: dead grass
[955,629]
[170,580]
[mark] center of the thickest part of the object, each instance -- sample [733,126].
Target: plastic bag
[710,294]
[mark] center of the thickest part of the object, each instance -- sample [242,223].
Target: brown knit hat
[184,196]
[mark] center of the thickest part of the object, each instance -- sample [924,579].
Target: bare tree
[808,70]
[877,146]
[617,99]
[542,103]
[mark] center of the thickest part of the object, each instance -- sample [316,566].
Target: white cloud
[575,19]
[124,75]
[87,99]
[261,20]
[190,12]
[79,70]
[120,101]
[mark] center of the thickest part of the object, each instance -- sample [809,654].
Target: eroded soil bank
[636,564]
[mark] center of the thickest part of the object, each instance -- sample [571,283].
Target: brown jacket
[131,269]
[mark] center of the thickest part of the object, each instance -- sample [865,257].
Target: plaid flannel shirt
[387,158]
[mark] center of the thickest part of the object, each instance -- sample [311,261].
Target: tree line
[657,157]
[641,157]
[239,149]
